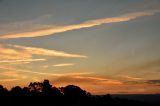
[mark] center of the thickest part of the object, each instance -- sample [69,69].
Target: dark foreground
[43,94]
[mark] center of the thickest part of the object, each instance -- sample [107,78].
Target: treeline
[44,94]
[43,89]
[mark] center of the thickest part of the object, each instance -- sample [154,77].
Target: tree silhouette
[44,94]
[16,91]
[3,91]
[46,85]
[48,90]
[35,86]
[74,91]
[26,91]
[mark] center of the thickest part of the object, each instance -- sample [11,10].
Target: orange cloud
[9,74]
[86,24]
[15,53]
[54,74]
[63,65]
[99,79]
[43,73]
[47,52]
[8,53]
[86,80]
[8,80]
[132,78]
[98,85]
[24,60]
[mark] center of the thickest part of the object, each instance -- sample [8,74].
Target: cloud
[10,53]
[13,74]
[59,65]
[54,74]
[93,84]
[9,74]
[153,82]
[131,78]
[27,60]
[8,80]
[43,73]
[47,52]
[78,77]
[85,80]
[17,63]
[86,24]
[21,54]
[148,82]
[98,79]
[63,65]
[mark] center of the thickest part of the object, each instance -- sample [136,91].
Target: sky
[103,46]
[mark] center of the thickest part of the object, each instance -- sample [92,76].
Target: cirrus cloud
[63,65]
[16,53]
[85,24]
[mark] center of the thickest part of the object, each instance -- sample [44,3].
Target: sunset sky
[103,46]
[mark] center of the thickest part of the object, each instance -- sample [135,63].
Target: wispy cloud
[54,74]
[17,54]
[153,81]
[9,74]
[10,53]
[99,79]
[47,52]
[13,74]
[132,78]
[25,60]
[8,80]
[86,24]
[63,65]
[43,73]
[86,80]
[93,84]
[101,85]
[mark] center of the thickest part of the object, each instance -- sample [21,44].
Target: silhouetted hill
[44,94]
